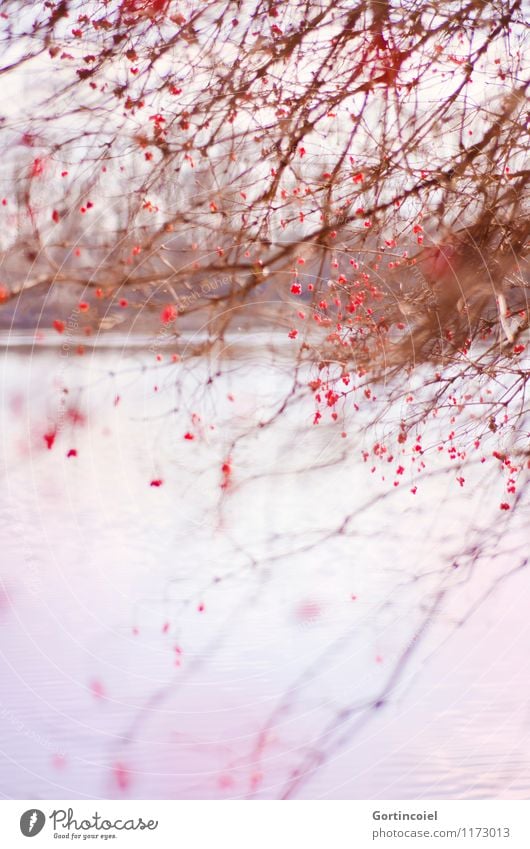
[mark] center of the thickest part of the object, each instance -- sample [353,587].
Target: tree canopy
[352,173]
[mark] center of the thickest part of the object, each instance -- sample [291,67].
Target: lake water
[306,631]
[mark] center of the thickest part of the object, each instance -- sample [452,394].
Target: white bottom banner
[267,825]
